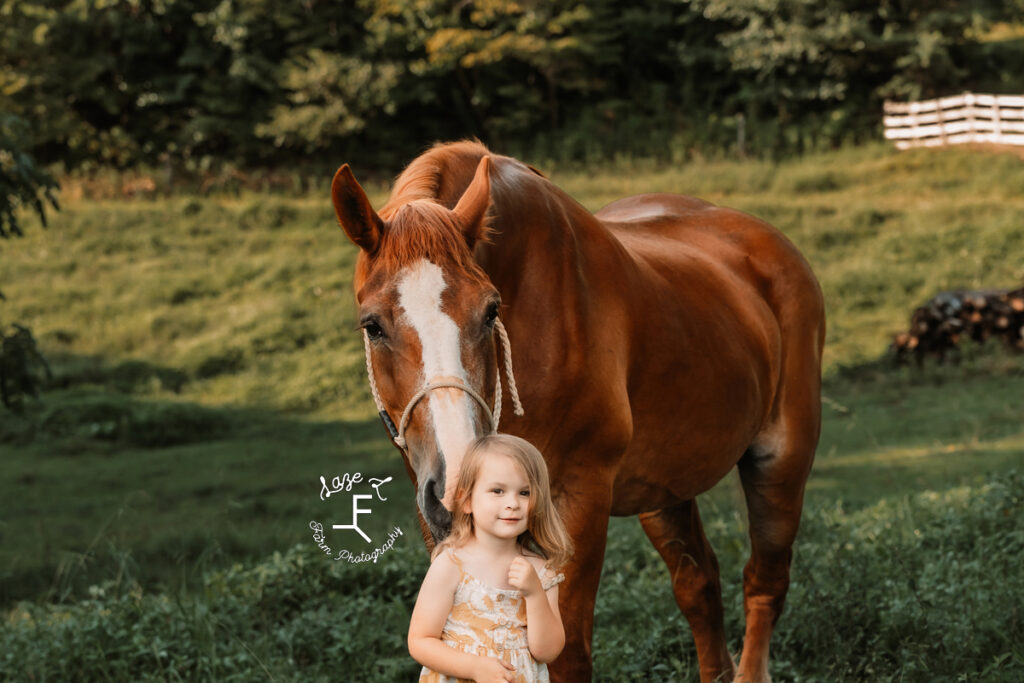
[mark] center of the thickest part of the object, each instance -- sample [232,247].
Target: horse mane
[420,229]
[420,224]
[424,177]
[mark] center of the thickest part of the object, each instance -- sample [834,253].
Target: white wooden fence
[956,120]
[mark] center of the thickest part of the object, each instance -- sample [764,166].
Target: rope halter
[398,434]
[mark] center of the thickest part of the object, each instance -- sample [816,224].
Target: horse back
[669,232]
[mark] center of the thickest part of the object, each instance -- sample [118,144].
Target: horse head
[429,314]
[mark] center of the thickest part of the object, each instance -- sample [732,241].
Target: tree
[22,183]
[826,65]
[501,66]
[124,82]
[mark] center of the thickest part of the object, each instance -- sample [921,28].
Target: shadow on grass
[861,479]
[105,482]
[110,476]
[969,361]
[877,407]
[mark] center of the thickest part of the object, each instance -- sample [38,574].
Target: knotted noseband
[398,435]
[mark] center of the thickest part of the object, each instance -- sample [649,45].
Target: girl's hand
[491,670]
[523,576]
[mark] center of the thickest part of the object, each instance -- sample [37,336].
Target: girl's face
[500,502]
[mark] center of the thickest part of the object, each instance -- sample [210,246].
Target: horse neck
[541,239]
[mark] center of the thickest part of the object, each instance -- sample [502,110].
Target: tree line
[192,84]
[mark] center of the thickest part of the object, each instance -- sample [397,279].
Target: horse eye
[373,330]
[492,315]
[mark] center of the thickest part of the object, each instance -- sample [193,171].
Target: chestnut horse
[657,344]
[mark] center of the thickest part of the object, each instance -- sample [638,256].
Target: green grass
[919,587]
[206,374]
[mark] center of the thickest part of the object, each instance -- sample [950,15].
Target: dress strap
[455,558]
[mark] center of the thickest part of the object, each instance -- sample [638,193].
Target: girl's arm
[433,606]
[544,632]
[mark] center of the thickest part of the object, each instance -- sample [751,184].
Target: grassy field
[154,506]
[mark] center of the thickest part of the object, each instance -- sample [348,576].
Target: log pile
[938,327]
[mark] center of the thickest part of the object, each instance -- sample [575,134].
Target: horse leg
[587,524]
[773,473]
[678,535]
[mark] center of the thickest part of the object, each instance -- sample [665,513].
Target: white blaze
[419,296]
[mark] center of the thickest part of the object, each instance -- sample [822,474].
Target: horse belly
[678,453]
[700,390]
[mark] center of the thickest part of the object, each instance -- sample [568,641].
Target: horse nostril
[438,518]
[432,501]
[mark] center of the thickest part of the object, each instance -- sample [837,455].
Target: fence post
[997,121]
[969,104]
[741,135]
[942,121]
[913,126]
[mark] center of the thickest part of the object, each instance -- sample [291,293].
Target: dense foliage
[187,83]
[913,588]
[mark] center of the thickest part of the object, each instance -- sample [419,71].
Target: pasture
[154,506]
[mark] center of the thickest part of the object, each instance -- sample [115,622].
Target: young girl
[494,575]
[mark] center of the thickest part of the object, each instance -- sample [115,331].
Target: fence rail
[956,120]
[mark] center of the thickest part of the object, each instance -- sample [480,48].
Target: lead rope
[398,434]
[513,390]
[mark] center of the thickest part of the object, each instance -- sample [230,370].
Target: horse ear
[355,214]
[472,207]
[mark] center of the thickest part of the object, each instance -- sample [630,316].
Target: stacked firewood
[937,327]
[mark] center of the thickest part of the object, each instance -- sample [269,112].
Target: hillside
[207,372]
[247,300]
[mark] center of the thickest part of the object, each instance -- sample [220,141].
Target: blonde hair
[545,533]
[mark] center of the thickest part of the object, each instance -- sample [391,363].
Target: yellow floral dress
[491,622]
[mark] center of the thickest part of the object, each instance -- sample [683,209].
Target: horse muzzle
[438,518]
